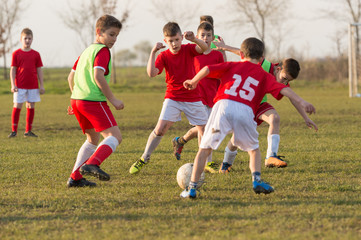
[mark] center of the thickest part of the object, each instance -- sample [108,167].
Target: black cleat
[12,134]
[30,134]
[80,183]
[94,170]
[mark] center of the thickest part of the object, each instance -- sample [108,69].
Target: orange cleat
[275,161]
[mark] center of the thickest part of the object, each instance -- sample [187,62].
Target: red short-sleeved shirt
[26,63]
[244,82]
[178,68]
[101,60]
[208,86]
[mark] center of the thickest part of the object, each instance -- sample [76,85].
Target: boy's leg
[255,166]
[30,112]
[178,142]
[273,139]
[15,116]
[112,138]
[230,153]
[153,141]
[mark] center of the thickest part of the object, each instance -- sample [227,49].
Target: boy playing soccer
[178,64]
[207,88]
[243,85]
[25,76]
[88,82]
[284,72]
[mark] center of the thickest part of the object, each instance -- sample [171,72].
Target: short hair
[291,67]
[26,31]
[171,29]
[107,21]
[206,26]
[252,48]
[206,18]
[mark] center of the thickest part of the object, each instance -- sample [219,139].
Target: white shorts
[194,111]
[208,110]
[231,117]
[26,95]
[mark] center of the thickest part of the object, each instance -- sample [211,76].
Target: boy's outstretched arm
[301,105]
[192,84]
[223,47]
[151,69]
[201,45]
[104,87]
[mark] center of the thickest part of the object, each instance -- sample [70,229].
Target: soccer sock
[85,151]
[15,116]
[229,156]
[192,184]
[181,141]
[152,143]
[105,148]
[273,144]
[30,112]
[256,176]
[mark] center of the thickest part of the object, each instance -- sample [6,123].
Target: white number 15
[246,86]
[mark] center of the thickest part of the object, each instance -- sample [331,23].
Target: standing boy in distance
[178,62]
[25,76]
[88,82]
[243,85]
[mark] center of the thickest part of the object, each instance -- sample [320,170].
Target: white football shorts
[26,95]
[194,111]
[231,117]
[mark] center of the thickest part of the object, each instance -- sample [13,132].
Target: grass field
[316,197]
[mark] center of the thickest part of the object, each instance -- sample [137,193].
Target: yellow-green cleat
[211,167]
[135,168]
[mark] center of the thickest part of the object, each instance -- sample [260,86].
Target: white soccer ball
[184,176]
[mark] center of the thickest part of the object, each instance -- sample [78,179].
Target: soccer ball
[184,176]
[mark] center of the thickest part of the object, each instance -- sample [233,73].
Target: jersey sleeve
[38,63]
[274,87]
[102,60]
[14,60]
[75,65]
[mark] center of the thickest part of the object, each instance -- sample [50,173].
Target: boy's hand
[309,108]
[158,46]
[311,124]
[70,110]
[189,35]
[189,84]
[41,90]
[118,104]
[14,89]
[219,44]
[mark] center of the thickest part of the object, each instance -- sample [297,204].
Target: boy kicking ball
[243,85]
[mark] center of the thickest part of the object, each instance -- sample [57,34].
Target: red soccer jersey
[244,82]
[208,86]
[26,64]
[178,68]
[101,60]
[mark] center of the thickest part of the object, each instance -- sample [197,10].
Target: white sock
[85,151]
[229,156]
[273,144]
[152,144]
[111,141]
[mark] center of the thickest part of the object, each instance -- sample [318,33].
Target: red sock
[100,155]
[76,175]
[15,119]
[30,112]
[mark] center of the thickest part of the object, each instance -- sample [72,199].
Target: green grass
[316,197]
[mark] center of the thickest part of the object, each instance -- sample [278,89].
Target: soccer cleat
[135,168]
[262,187]
[30,134]
[225,167]
[177,147]
[191,193]
[275,161]
[12,134]
[211,167]
[80,183]
[94,170]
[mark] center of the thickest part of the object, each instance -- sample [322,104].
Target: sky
[59,46]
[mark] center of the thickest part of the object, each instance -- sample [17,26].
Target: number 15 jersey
[244,82]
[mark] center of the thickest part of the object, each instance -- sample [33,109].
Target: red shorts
[91,115]
[264,107]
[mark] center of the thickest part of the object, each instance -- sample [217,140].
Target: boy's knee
[275,119]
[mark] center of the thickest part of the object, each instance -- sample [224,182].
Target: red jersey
[208,86]
[26,63]
[178,68]
[244,82]
[101,60]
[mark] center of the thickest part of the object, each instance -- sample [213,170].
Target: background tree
[82,17]
[9,11]
[260,14]
[125,57]
[143,49]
